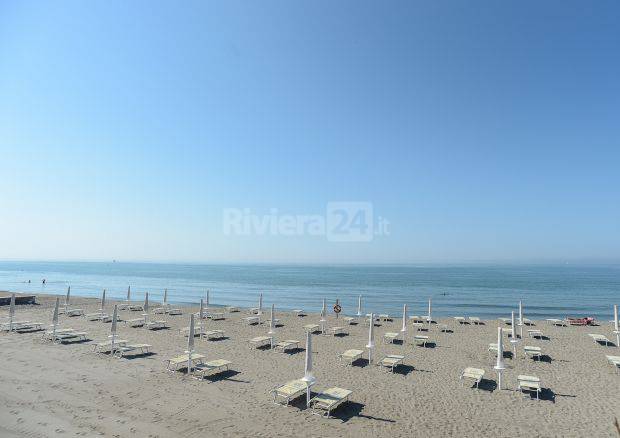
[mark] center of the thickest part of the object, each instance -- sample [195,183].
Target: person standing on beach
[43,282]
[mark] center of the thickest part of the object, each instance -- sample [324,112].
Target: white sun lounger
[557,322]
[284,346]
[391,361]
[418,325]
[336,330]
[251,320]
[106,346]
[421,340]
[535,352]
[299,312]
[529,384]
[132,348]
[103,317]
[349,320]
[174,363]
[156,325]
[416,318]
[174,311]
[232,309]
[311,328]
[326,401]
[216,316]
[260,341]
[136,308]
[26,326]
[213,334]
[137,322]
[390,337]
[67,336]
[289,391]
[506,321]
[475,320]
[535,333]
[74,312]
[599,339]
[351,356]
[384,317]
[211,367]
[475,374]
[615,361]
[460,319]
[276,321]
[493,349]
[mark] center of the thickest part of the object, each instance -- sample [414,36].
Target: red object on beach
[581,321]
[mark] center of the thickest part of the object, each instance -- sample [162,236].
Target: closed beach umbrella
[260,303]
[102,302]
[499,365]
[67,299]
[429,310]
[128,293]
[359,306]
[404,329]
[55,318]
[207,303]
[201,313]
[323,312]
[272,324]
[201,317]
[190,343]
[165,297]
[308,375]
[514,339]
[521,318]
[113,327]
[11,312]
[616,325]
[146,308]
[371,337]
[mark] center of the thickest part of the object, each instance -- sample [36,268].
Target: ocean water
[485,291]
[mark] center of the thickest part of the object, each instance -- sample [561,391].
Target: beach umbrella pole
[616,330]
[499,365]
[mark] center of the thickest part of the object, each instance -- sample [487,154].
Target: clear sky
[483,131]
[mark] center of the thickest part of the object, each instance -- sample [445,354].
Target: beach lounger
[299,312]
[276,321]
[475,320]
[124,305]
[260,341]
[556,322]
[197,331]
[175,311]
[106,346]
[535,333]
[136,308]
[156,325]
[137,322]
[428,319]
[213,334]
[326,401]
[493,349]
[599,339]
[421,340]
[211,367]
[475,374]
[160,310]
[529,384]
[67,336]
[506,321]
[460,319]
[129,348]
[535,352]
[390,337]
[74,312]
[351,356]
[444,328]
[254,310]
[528,322]
[336,330]
[103,317]
[289,391]
[615,361]
[174,363]
[216,316]
[391,361]
[350,320]
[384,317]
[416,318]
[27,327]
[311,328]
[232,309]
[284,346]
[252,320]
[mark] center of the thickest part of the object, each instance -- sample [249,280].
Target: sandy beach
[68,390]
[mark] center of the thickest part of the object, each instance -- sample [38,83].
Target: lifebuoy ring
[337,308]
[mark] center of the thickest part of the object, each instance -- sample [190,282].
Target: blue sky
[484,131]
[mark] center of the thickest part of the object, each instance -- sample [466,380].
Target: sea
[487,291]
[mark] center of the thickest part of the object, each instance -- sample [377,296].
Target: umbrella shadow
[223,338]
[293,351]
[428,345]
[487,385]
[75,341]
[403,369]
[341,335]
[353,409]
[224,375]
[138,355]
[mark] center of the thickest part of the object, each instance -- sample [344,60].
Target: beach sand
[67,390]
